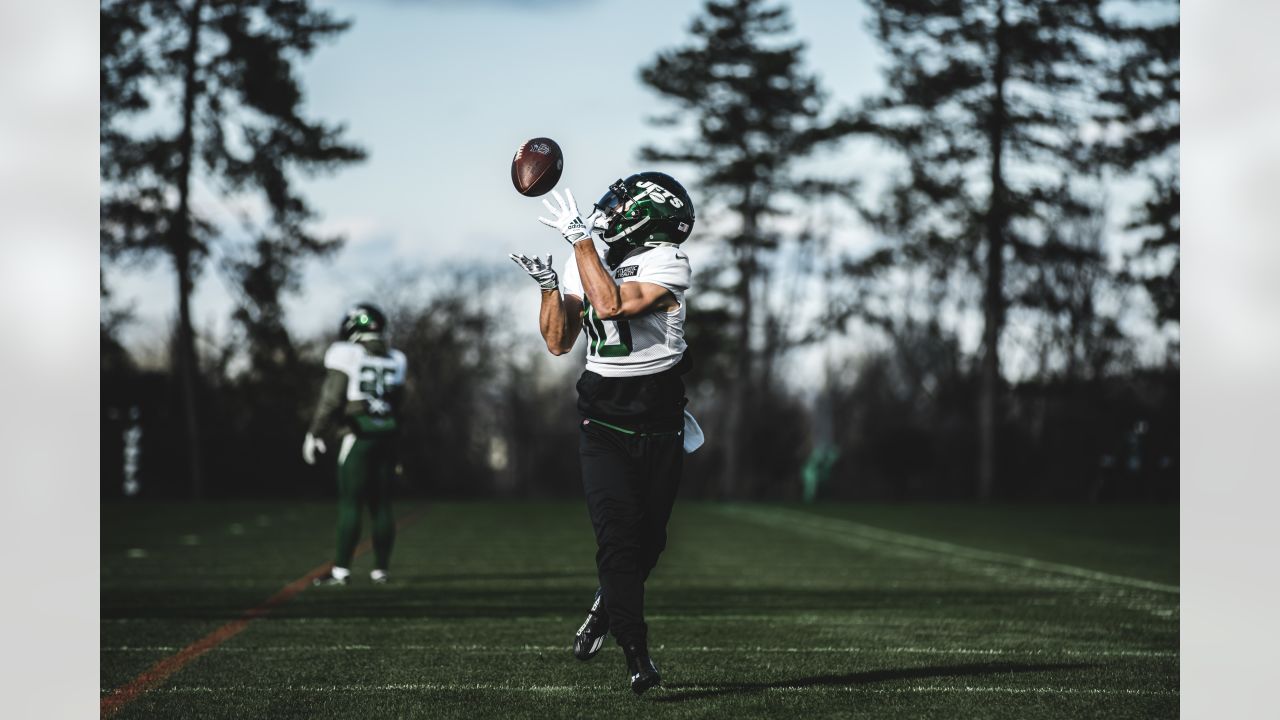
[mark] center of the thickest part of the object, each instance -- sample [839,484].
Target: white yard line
[989,652]
[577,689]
[792,519]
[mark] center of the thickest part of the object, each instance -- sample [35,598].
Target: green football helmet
[362,320]
[645,209]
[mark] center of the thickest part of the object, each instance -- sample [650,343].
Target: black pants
[630,483]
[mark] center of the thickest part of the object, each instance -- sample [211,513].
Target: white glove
[312,446]
[540,272]
[567,219]
[597,222]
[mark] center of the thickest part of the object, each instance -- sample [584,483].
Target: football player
[359,403]
[629,298]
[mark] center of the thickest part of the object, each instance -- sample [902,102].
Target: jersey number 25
[374,381]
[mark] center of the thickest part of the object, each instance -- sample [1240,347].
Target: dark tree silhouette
[263,389]
[755,112]
[985,102]
[113,357]
[449,329]
[263,276]
[1142,97]
[1072,305]
[206,89]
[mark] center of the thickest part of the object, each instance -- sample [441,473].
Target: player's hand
[596,222]
[566,217]
[311,447]
[539,271]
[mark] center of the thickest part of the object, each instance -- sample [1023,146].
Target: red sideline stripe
[162,670]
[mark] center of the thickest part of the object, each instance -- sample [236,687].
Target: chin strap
[614,238]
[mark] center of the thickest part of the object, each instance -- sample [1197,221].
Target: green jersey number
[601,334]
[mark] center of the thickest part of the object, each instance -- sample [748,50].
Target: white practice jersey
[369,377]
[644,345]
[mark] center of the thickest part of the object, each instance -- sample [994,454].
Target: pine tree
[754,112]
[1142,102]
[985,103]
[263,276]
[205,89]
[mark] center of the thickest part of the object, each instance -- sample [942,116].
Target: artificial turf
[757,610]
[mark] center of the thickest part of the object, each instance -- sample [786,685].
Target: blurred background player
[630,301]
[359,403]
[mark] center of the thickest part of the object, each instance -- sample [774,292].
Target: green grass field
[755,610]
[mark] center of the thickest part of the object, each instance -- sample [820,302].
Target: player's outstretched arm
[560,317]
[611,300]
[560,320]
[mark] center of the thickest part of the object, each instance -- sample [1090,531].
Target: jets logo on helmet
[658,193]
[646,209]
[362,320]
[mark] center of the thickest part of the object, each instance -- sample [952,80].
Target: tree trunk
[182,244]
[187,371]
[733,482]
[993,294]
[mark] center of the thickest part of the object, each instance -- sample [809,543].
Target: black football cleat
[644,674]
[594,630]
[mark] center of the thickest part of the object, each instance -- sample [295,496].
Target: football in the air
[537,166]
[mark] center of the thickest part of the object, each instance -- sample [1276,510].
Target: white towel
[693,437]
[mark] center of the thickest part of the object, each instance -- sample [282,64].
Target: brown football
[537,166]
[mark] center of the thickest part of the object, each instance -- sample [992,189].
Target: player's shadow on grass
[677,692]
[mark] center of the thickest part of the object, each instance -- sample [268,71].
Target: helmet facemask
[614,212]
